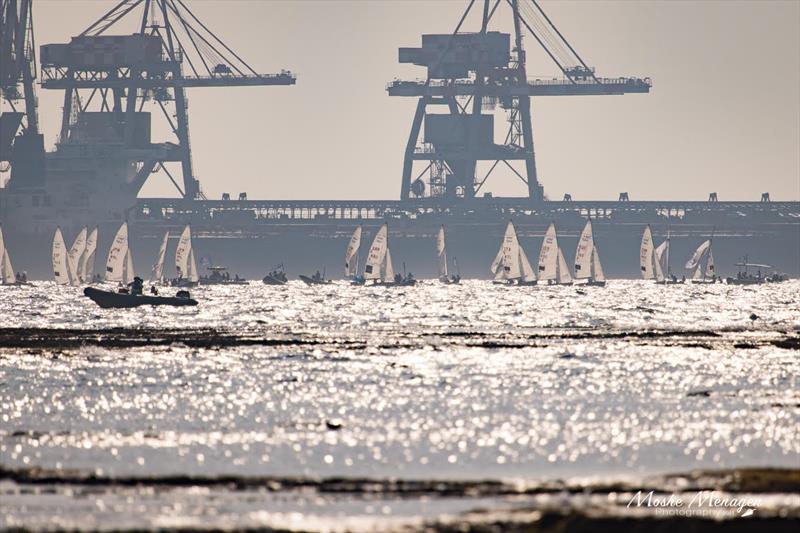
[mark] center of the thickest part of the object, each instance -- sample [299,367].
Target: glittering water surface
[470,381]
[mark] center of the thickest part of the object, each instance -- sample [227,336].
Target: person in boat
[410,278]
[136,286]
[398,278]
[674,278]
[683,279]
[455,278]
[153,290]
[317,276]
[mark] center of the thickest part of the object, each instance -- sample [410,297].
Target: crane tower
[469,74]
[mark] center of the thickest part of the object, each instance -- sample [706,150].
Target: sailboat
[184,261]
[441,254]
[61,270]
[157,275]
[7,276]
[648,262]
[552,266]
[511,264]
[86,268]
[662,258]
[701,264]
[75,257]
[351,255]
[587,259]
[379,266]
[119,265]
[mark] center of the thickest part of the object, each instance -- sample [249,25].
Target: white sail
[662,253]
[127,272]
[584,253]
[548,256]
[387,270]
[497,264]
[192,273]
[182,253]
[564,275]
[86,270]
[7,268]
[646,254]
[158,267]
[441,253]
[7,275]
[351,255]
[115,263]
[696,261]
[528,274]
[75,257]
[510,257]
[597,268]
[377,254]
[710,267]
[60,266]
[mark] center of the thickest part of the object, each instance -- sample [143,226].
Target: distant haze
[724,113]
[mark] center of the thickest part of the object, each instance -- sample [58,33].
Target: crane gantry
[469,73]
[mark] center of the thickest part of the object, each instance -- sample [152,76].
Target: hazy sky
[723,115]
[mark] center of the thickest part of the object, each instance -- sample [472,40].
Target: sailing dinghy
[701,264]
[553,267]
[75,256]
[157,275]
[7,275]
[60,256]
[351,257]
[511,264]
[587,259]
[379,266]
[648,261]
[184,261]
[119,265]
[86,267]
[441,254]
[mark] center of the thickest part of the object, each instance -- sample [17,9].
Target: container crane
[469,73]
[171,50]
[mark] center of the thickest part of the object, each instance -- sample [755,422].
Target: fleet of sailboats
[75,265]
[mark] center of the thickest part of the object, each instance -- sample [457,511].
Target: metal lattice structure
[470,73]
[108,78]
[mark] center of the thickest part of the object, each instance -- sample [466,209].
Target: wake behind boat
[125,300]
